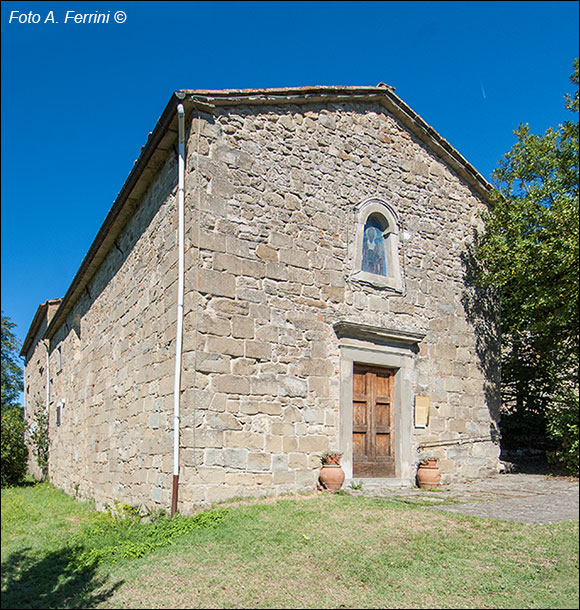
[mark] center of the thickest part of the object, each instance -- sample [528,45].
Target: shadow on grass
[30,580]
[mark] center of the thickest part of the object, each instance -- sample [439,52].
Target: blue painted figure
[373,255]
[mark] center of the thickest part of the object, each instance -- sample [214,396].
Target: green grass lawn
[314,551]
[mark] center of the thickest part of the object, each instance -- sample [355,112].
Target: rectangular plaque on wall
[422,404]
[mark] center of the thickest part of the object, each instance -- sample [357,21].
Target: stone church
[283,273]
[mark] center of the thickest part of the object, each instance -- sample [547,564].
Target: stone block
[307,478]
[264,479]
[267,253]
[244,366]
[264,384]
[333,293]
[237,247]
[280,240]
[297,461]
[279,462]
[260,350]
[291,414]
[235,458]
[220,493]
[270,408]
[225,345]
[210,240]
[452,384]
[293,387]
[253,269]
[217,283]
[273,443]
[242,327]
[227,262]
[316,367]
[208,362]
[259,461]
[221,421]
[240,479]
[313,443]
[319,386]
[190,497]
[229,306]
[289,443]
[157,495]
[242,438]
[457,425]
[249,407]
[276,271]
[251,295]
[295,258]
[212,476]
[231,384]
[283,477]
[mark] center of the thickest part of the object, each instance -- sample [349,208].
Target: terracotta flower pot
[332,476]
[428,475]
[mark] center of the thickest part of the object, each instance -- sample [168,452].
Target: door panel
[373,422]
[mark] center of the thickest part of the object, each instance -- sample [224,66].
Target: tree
[11,369]
[14,454]
[530,251]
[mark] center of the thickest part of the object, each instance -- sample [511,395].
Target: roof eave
[35,324]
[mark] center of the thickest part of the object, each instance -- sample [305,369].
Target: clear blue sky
[78,100]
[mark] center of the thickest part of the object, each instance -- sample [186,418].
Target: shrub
[124,533]
[562,426]
[40,439]
[14,454]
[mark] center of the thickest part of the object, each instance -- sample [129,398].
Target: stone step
[379,483]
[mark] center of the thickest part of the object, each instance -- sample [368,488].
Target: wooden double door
[373,421]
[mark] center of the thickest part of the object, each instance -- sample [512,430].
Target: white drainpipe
[180,281]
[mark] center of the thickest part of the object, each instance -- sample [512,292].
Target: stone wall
[117,345]
[268,273]
[35,382]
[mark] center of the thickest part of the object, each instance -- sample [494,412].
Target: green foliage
[40,439]
[530,251]
[123,532]
[563,426]
[11,373]
[14,453]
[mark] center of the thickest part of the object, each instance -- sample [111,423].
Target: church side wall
[35,392]
[114,386]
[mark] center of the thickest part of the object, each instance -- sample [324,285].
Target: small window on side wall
[376,260]
[59,407]
[59,359]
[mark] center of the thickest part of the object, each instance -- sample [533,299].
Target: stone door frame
[383,347]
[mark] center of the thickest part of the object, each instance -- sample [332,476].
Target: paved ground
[530,498]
